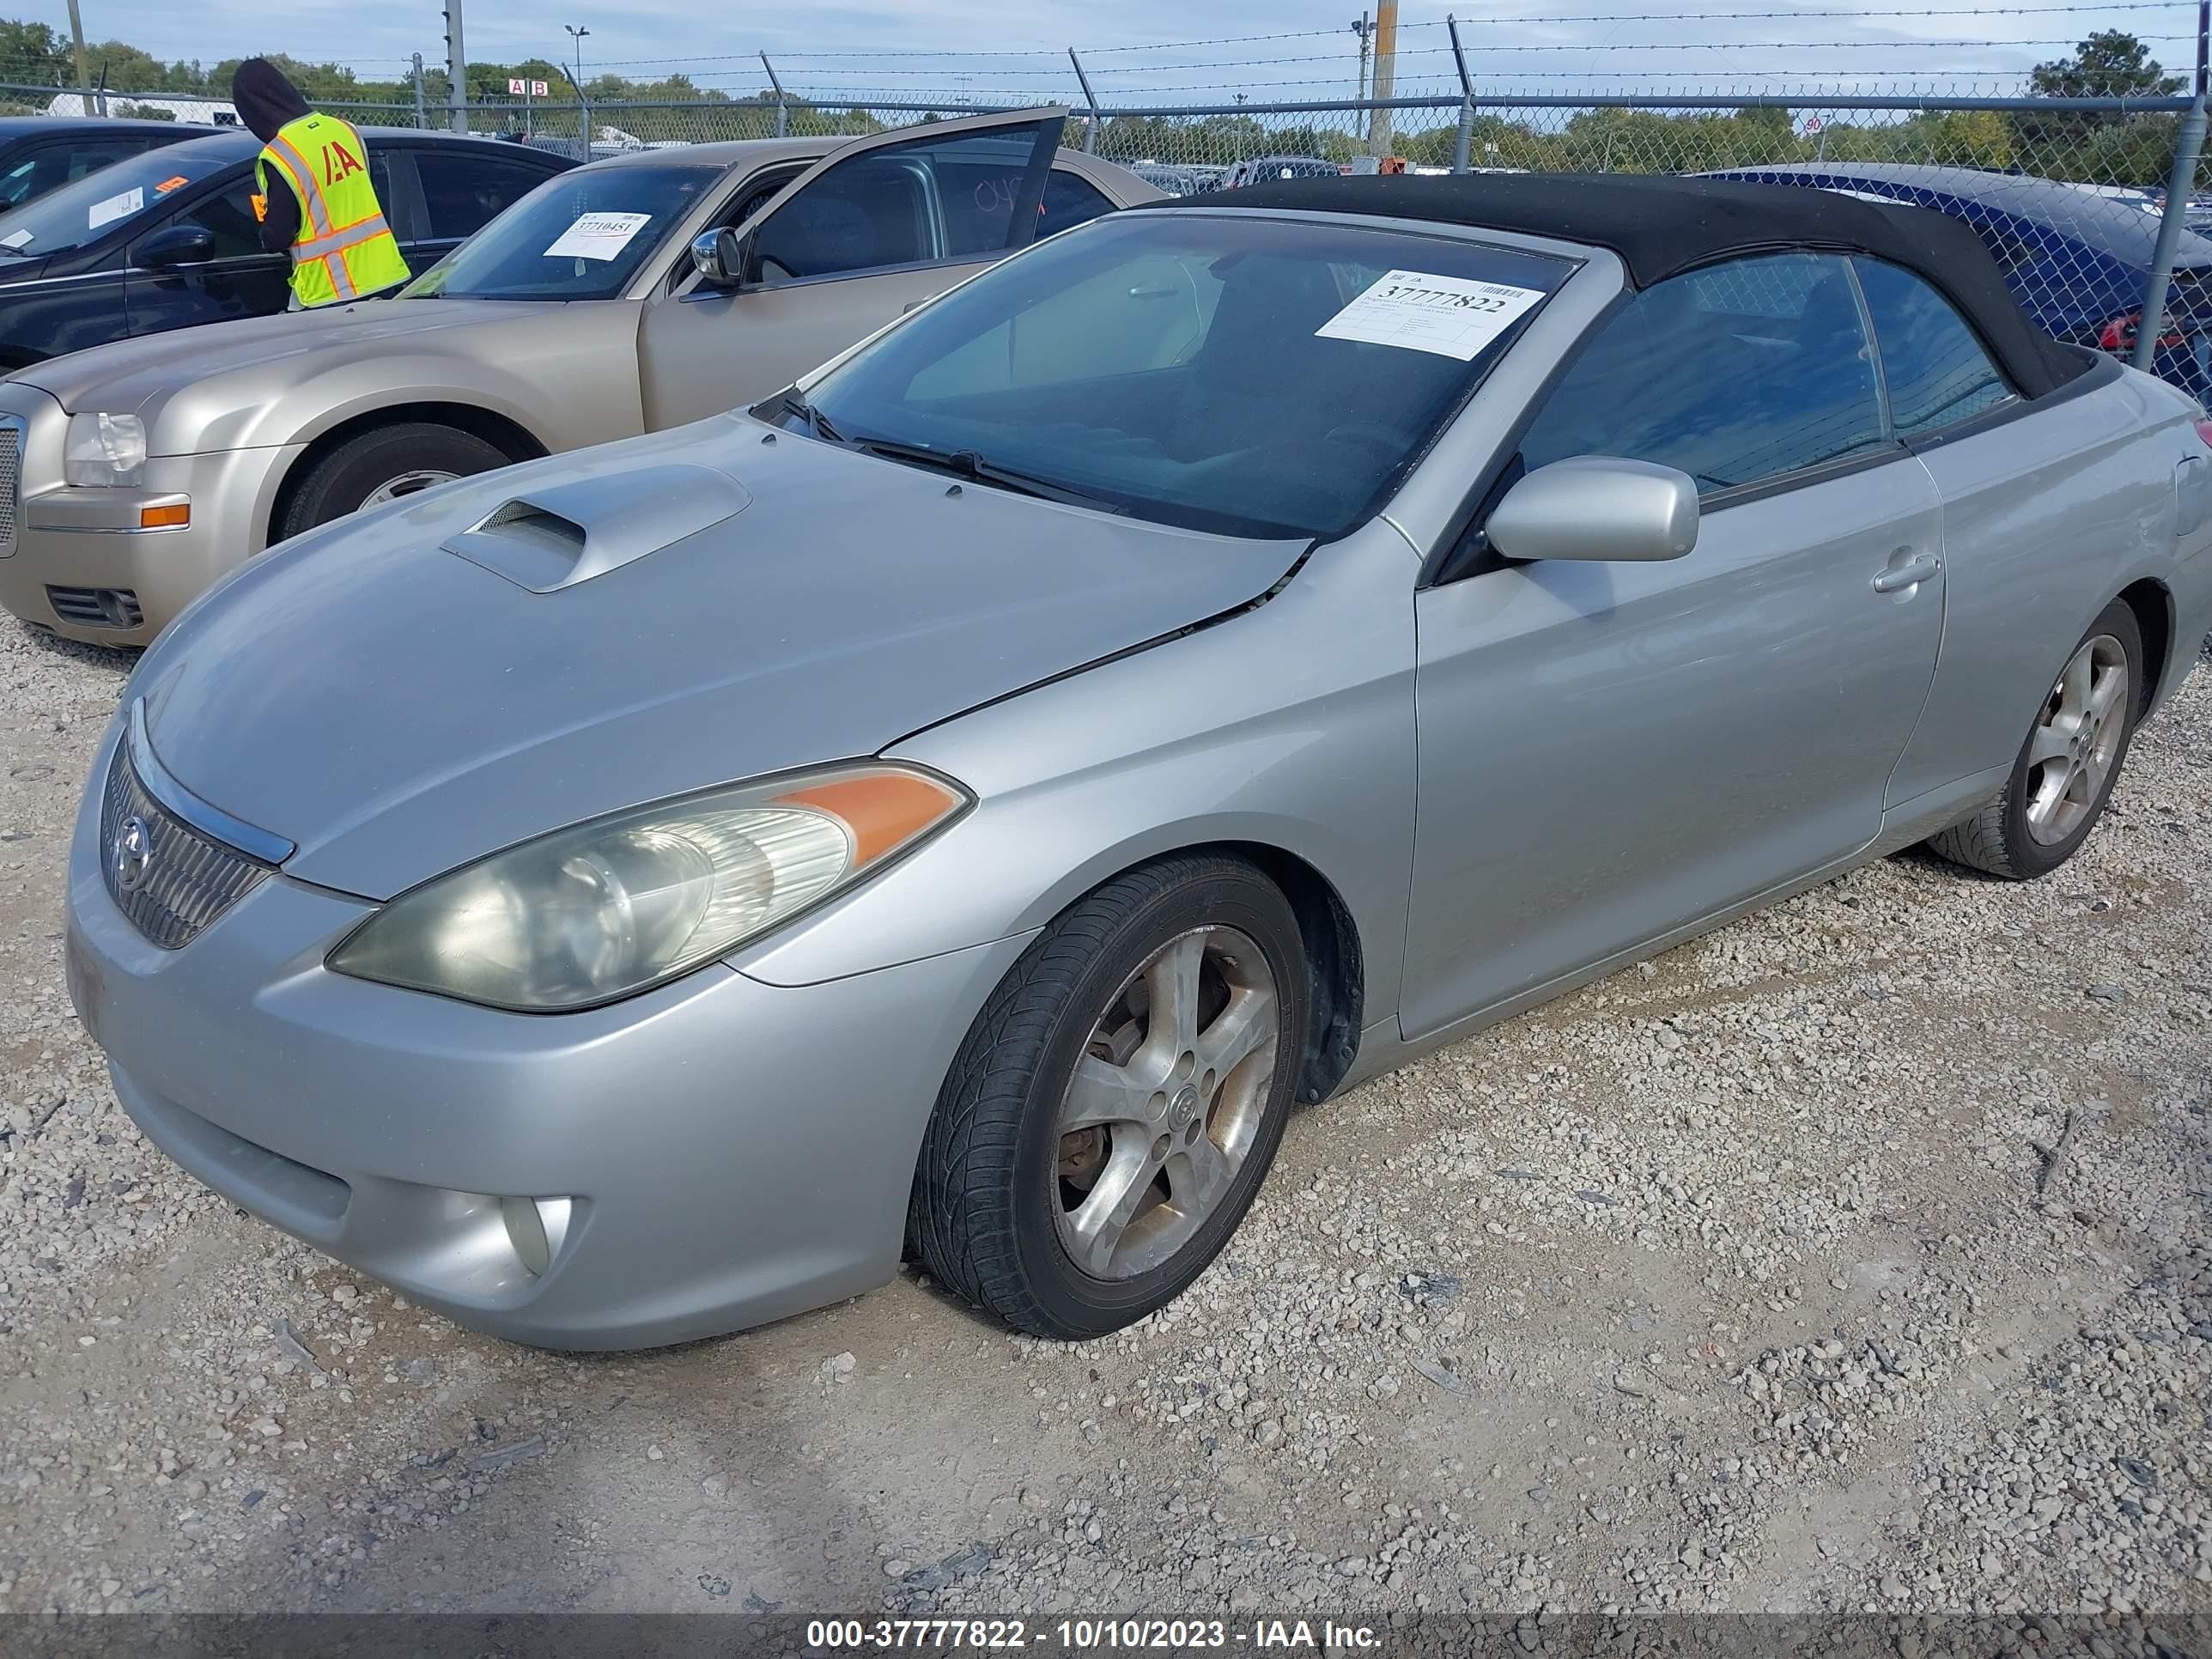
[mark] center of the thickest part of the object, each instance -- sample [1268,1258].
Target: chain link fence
[2069,194]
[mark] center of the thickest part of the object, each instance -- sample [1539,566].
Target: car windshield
[581,235]
[1247,375]
[100,203]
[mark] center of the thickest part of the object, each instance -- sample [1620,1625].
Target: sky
[1286,50]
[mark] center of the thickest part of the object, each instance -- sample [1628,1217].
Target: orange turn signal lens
[175,516]
[882,810]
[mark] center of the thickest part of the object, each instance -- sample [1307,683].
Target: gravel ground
[1853,1258]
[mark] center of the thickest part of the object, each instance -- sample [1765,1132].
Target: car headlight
[607,909]
[103,449]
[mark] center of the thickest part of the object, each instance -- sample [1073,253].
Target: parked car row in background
[166,239]
[652,288]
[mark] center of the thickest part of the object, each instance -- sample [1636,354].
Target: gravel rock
[1751,1277]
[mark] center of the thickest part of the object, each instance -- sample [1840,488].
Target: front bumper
[732,1152]
[79,563]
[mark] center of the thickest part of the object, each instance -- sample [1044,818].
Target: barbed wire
[955,75]
[2176,7]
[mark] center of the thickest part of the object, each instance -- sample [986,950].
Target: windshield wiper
[967,463]
[817,421]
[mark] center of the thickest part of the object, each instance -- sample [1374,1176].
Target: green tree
[31,54]
[2109,63]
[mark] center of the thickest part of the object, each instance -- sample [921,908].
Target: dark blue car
[2077,259]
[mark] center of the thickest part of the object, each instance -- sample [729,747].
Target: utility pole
[457,69]
[1380,121]
[422,112]
[1363,28]
[77,39]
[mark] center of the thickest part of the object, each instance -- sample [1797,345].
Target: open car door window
[949,192]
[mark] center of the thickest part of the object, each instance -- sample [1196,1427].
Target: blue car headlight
[609,908]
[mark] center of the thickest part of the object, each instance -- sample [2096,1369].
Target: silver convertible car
[962,804]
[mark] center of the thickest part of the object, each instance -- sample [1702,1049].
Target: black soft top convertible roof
[1660,226]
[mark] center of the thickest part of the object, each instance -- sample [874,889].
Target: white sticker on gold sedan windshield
[1451,316]
[598,236]
[114,208]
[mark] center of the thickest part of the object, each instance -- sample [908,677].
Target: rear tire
[385,464]
[1072,1204]
[2065,772]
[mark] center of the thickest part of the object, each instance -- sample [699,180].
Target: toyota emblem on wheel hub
[131,854]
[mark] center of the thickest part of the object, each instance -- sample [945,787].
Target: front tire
[382,466]
[1116,1105]
[2066,770]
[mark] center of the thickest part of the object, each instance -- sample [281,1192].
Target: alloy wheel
[407,484]
[1165,1103]
[2076,742]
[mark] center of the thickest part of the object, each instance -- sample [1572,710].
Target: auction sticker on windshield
[115,207]
[1451,316]
[598,236]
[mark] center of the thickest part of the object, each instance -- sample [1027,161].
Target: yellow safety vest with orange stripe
[344,248]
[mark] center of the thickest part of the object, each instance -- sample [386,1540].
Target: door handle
[1911,573]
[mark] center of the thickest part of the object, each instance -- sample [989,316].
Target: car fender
[1287,725]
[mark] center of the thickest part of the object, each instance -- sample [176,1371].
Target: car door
[865,235]
[238,280]
[2027,530]
[1612,752]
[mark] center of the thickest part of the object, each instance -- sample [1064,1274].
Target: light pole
[576,33]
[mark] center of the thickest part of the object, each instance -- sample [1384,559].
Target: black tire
[1996,840]
[987,1189]
[344,479]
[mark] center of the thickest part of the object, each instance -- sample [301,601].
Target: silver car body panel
[1510,783]
[655,678]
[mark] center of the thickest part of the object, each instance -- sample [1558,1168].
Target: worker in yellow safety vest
[315,199]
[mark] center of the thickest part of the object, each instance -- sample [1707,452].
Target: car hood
[138,376]
[397,696]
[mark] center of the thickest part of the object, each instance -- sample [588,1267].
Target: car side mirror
[719,257]
[1597,507]
[177,245]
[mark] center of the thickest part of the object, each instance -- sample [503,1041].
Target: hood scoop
[566,533]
